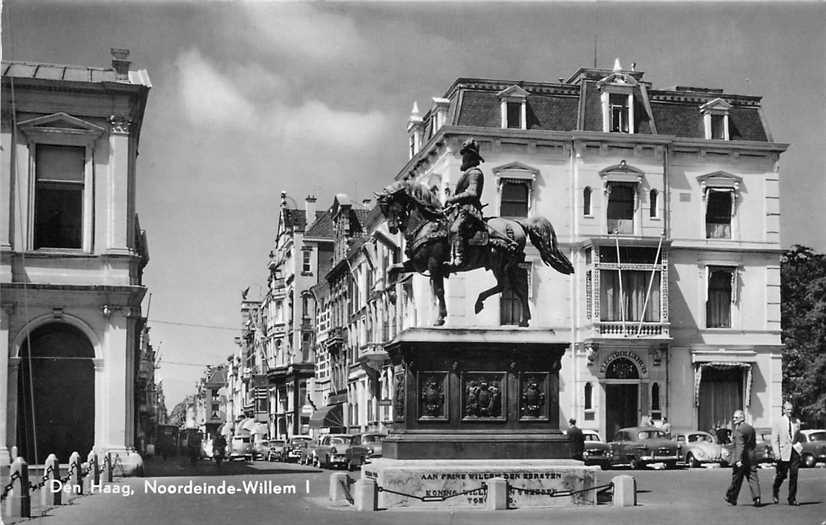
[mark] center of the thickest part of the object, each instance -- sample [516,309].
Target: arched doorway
[56,387]
[621,395]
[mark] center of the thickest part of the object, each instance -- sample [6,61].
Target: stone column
[12,404]
[117,186]
[5,327]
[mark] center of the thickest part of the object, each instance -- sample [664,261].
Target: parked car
[343,450]
[241,447]
[700,447]
[814,446]
[261,448]
[640,446]
[297,449]
[275,451]
[597,451]
[373,442]
[763,450]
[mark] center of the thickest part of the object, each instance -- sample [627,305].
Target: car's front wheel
[634,463]
[809,461]
[691,461]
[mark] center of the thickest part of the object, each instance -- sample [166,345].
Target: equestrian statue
[441,240]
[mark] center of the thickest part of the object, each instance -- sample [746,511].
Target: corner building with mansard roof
[667,203]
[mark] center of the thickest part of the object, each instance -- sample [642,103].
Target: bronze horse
[418,213]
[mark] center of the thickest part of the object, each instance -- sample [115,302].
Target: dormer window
[716,119]
[619,113]
[513,104]
[438,114]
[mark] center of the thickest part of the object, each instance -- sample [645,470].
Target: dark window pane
[514,200]
[59,196]
[718,307]
[718,215]
[514,115]
[717,129]
[652,200]
[621,209]
[586,201]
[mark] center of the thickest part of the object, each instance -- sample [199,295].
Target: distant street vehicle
[343,450]
[373,442]
[241,448]
[763,451]
[261,449]
[700,447]
[814,447]
[275,451]
[641,446]
[166,441]
[297,449]
[597,452]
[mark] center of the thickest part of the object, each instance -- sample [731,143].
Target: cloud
[303,31]
[206,95]
[228,100]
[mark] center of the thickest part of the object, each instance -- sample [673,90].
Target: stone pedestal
[473,393]
[465,483]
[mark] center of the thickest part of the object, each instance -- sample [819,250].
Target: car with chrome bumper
[342,450]
[597,451]
[814,447]
[373,442]
[697,448]
[642,446]
[296,449]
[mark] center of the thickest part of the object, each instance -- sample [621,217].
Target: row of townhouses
[72,335]
[665,200]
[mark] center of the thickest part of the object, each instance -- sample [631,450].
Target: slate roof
[70,73]
[322,228]
[575,105]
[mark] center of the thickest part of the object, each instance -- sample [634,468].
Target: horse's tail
[543,236]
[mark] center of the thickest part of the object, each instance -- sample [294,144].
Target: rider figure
[466,208]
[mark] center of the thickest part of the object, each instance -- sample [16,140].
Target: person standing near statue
[786,447]
[465,205]
[577,439]
[744,459]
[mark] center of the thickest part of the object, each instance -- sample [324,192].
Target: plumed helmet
[472,146]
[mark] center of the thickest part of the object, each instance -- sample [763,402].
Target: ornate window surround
[517,95]
[621,173]
[716,107]
[724,182]
[63,129]
[617,84]
[516,173]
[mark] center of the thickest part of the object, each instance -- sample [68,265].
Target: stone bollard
[497,494]
[75,476]
[18,502]
[339,489]
[625,491]
[51,493]
[366,495]
[109,468]
[93,477]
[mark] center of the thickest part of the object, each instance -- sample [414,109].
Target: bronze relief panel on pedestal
[484,396]
[533,396]
[433,396]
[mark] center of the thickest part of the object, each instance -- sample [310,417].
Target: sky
[253,98]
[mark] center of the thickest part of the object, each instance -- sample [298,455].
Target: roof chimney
[120,63]
[309,208]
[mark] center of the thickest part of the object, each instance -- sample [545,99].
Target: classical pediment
[513,92]
[718,104]
[59,127]
[720,179]
[516,170]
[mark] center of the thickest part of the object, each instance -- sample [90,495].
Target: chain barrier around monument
[426,499]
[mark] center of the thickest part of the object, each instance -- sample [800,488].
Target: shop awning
[722,365]
[327,417]
[253,427]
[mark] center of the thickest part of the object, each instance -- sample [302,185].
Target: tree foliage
[803,314]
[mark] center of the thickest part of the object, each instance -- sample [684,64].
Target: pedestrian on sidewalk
[577,439]
[786,447]
[745,460]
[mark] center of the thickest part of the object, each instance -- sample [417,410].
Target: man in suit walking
[745,460]
[785,436]
[577,439]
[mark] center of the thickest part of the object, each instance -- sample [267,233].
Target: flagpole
[621,297]
[650,283]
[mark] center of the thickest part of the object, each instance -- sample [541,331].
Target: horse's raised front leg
[437,280]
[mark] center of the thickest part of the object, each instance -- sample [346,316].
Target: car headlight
[585,454]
